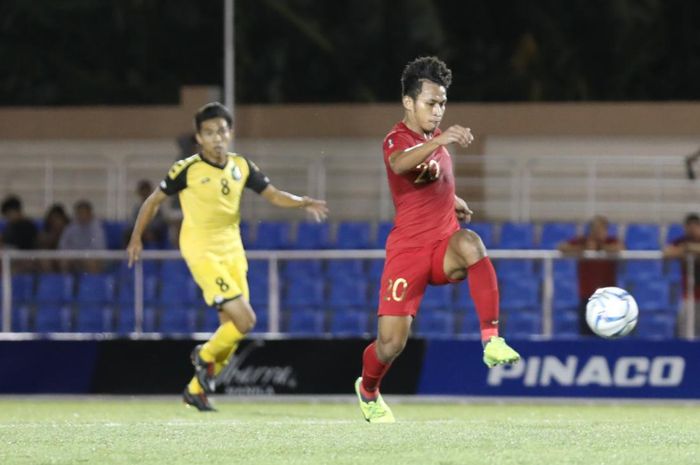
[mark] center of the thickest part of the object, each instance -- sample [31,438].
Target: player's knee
[390,347]
[469,243]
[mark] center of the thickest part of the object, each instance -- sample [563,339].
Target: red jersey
[424,198]
[593,274]
[684,280]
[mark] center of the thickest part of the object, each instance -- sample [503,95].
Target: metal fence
[275,258]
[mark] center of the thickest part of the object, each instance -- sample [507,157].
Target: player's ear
[198,138]
[407,103]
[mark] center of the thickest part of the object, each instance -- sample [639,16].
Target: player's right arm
[148,210]
[403,161]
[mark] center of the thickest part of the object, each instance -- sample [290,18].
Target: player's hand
[133,250]
[316,208]
[458,134]
[464,214]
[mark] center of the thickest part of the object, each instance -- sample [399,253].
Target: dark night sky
[77,52]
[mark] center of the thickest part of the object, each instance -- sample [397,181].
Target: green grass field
[162,431]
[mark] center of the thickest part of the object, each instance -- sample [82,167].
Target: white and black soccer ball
[611,312]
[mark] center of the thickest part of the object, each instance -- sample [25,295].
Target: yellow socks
[222,341]
[218,349]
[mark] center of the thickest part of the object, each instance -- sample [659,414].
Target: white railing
[533,188]
[274,257]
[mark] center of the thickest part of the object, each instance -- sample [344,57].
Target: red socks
[373,370]
[483,287]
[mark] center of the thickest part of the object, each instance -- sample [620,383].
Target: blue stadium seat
[126,319]
[259,293]
[178,290]
[311,268]
[261,319]
[486,232]
[22,288]
[523,324]
[312,236]
[52,317]
[114,234]
[54,288]
[470,324]
[244,229]
[348,323]
[642,236]
[306,322]
[641,270]
[520,294]
[272,235]
[435,324]
[125,290]
[651,295]
[383,230]
[95,289]
[178,318]
[353,235]
[209,319]
[555,233]
[517,235]
[437,298]
[93,317]
[348,293]
[656,326]
[565,269]
[258,269]
[374,287]
[565,323]
[673,232]
[512,267]
[566,295]
[345,267]
[303,292]
[174,269]
[376,268]
[672,271]
[462,299]
[21,316]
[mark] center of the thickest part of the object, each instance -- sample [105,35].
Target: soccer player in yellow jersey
[210,185]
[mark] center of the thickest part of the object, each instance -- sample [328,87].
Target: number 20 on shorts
[396,290]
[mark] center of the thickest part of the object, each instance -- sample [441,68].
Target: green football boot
[375,411]
[497,352]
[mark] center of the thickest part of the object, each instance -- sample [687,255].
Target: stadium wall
[590,369]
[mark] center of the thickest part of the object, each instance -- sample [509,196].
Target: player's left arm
[316,208]
[462,210]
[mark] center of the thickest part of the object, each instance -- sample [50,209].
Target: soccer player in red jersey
[426,245]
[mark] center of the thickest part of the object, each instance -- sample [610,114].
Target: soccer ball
[611,312]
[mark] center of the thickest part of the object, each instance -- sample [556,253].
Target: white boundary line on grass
[351,399]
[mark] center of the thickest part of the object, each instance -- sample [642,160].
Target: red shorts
[406,274]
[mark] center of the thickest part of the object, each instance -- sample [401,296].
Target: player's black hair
[11,203]
[210,111]
[692,218]
[424,69]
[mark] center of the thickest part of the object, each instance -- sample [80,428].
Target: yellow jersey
[210,198]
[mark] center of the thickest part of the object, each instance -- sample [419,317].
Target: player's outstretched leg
[374,410]
[497,352]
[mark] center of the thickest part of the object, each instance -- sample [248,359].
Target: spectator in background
[55,221]
[20,232]
[593,274]
[156,234]
[85,232]
[688,243]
